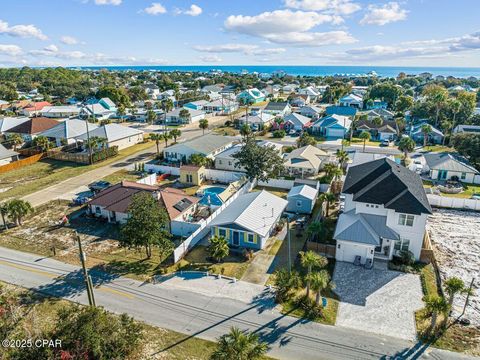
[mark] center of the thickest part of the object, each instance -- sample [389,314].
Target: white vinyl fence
[453,202]
[163,169]
[149,180]
[204,229]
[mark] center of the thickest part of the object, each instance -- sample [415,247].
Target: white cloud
[290,27]
[340,7]
[194,10]
[108,2]
[68,40]
[10,50]
[382,15]
[211,59]
[239,48]
[24,31]
[155,9]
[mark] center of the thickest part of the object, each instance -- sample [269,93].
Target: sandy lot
[456,240]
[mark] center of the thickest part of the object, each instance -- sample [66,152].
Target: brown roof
[189,167]
[176,201]
[36,105]
[34,126]
[119,196]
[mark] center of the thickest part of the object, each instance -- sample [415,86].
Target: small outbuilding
[301,199]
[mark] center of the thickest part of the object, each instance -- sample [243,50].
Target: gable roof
[119,196]
[385,126]
[467,129]
[111,132]
[341,110]
[34,126]
[69,129]
[6,153]
[332,120]
[307,157]
[256,212]
[303,190]
[449,162]
[386,183]
[297,119]
[192,112]
[6,123]
[204,144]
[276,106]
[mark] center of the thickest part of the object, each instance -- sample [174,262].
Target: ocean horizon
[302,70]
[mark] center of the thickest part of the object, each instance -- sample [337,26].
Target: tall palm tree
[165,137]
[151,116]
[320,281]
[378,121]
[157,138]
[454,286]
[342,157]
[185,115]
[18,209]
[330,169]
[455,107]
[406,145]
[437,95]
[239,345]
[435,305]
[218,248]
[42,142]
[310,260]
[4,213]
[400,125]
[315,229]
[426,130]
[284,282]
[328,198]
[245,130]
[365,136]
[15,140]
[176,133]
[203,124]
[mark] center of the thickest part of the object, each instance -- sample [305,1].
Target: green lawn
[120,175]
[167,344]
[31,178]
[358,141]
[275,191]
[438,148]
[468,190]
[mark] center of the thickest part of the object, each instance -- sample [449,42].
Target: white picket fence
[453,202]
[204,229]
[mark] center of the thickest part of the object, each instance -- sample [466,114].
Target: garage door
[348,251]
[334,133]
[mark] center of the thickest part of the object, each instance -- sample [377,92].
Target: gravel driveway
[380,301]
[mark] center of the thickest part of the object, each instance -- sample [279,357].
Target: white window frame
[402,244]
[220,233]
[406,219]
[247,239]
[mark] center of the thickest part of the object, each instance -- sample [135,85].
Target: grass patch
[358,141]
[275,191]
[198,259]
[468,191]
[275,247]
[121,175]
[226,131]
[42,312]
[47,172]
[438,148]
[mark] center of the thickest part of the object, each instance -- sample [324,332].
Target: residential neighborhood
[239,211]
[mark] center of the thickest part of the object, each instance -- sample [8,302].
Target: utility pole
[85,113]
[88,279]
[288,237]
[468,296]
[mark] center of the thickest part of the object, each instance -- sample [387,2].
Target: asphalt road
[208,317]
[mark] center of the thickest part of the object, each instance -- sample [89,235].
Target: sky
[240,32]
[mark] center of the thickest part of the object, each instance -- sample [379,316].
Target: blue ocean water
[383,71]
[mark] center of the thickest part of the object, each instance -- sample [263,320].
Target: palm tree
[455,107]
[435,305]
[239,345]
[454,286]
[165,137]
[218,248]
[328,198]
[426,130]
[310,260]
[42,142]
[406,145]
[4,213]
[314,229]
[400,125]
[18,209]
[437,95]
[203,124]
[15,140]
[176,133]
[342,157]
[365,136]
[330,169]
[245,130]
[284,282]
[167,106]
[157,138]
[378,121]
[184,114]
[151,116]
[320,281]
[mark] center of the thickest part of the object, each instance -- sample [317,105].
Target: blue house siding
[229,234]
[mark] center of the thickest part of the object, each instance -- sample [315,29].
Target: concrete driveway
[380,301]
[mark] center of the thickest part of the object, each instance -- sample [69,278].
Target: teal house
[249,220]
[251,96]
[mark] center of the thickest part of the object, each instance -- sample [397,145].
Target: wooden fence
[21,163]
[323,249]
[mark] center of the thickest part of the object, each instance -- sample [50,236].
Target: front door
[236,238]
[442,174]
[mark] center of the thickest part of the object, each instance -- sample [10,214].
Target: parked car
[81,199]
[98,186]
[386,142]
[476,196]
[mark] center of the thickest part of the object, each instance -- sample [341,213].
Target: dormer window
[405,220]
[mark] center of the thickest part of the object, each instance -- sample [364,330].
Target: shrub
[407,258]
[278,134]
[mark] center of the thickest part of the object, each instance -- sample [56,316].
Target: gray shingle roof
[6,153]
[69,129]
[449,162]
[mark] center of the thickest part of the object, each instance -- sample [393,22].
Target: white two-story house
[386,210]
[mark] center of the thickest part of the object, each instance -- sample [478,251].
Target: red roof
[34,126]
[36,106]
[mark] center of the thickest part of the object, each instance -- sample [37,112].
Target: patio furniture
[369,264]
[357,260]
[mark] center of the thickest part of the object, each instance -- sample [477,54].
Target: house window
[402,244]
[220,162]
[463,176]
[98,210]
[405,220]
[222,232]
[229,163]
[299,203]
[250,238]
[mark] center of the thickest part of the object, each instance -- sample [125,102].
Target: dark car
[98,186]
